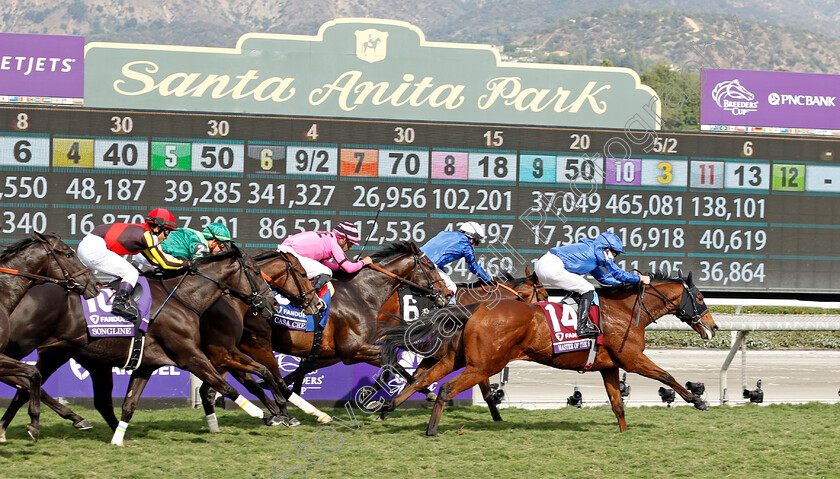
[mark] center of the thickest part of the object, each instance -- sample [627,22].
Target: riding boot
[319,281]
[586,328]
[121,307]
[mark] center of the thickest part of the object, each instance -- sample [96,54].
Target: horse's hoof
[431,397]
[83,425]
[272,421]
[33,432]
[701,405]
[292,422]
[375,405]
[323,419]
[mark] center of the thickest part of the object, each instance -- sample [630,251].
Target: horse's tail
[432,332]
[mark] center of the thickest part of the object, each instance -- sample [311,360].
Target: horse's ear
[689,280]
[527,271]
[679,274]
[39,237]
[414,248]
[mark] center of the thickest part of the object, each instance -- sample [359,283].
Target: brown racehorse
[528,289]
[221,329]
[40,258]
[173,337]
[355,305]
[514,330]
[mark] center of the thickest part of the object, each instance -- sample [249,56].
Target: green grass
[743,441]
[756,339]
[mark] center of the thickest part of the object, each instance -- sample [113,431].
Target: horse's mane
[658,276]
[394,249]
[268,254]
[14,248]
[233,253]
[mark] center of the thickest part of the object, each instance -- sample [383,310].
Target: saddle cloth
[413,303]
[290,316]
[102,323]
[562,325]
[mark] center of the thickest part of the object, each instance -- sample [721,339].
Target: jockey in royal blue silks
[564,267]
[450,246]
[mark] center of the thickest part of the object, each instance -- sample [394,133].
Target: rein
[254,300]
[69,280]
[290,270]
[428,291]
[680,311]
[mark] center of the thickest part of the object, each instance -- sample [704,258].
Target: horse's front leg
[647,368]
[611,383]
[136,384]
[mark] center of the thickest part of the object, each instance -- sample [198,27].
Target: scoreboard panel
[743,212]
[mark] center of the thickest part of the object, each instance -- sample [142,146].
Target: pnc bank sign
[362,68]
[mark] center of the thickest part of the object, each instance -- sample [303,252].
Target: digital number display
[744,213]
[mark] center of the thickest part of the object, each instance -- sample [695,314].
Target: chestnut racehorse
[514,330]
[528,289]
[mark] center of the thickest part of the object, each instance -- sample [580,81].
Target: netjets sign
[362,68]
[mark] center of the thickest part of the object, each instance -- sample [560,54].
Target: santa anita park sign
[362,68]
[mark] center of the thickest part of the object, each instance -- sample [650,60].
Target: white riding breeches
[450,285]
[313,268]
[551,270]
[94,253]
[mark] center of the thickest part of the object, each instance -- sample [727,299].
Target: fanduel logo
[734,98]
[776,99]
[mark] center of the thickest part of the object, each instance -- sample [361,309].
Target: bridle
[255,300]
[418,258]
[69,282]
[299,298]
[691,318]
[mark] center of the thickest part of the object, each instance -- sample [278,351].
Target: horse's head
[405,260]
[287,276]
[47,255]
[693,310]
[240,276]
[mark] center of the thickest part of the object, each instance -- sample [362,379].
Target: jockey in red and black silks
[102,248]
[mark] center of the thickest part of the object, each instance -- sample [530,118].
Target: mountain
[637,38]
[796,35]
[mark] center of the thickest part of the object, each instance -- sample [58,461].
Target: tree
[679,92]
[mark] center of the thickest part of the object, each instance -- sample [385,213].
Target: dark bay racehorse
[514,330]
[353,313]
[221,329]
[42,258]
[173,337]
[528,289]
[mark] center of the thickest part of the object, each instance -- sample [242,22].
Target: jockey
[450,246]
[187,243]
[102,248]
[565,266]
[322,252]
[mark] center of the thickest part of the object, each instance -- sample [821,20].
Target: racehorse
[528,289]
[353,312]
[40,258]
[56,326]
[221,329]
[514,330]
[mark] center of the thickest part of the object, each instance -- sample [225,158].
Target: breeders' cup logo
[287,363]
[371,45]
[734,98]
